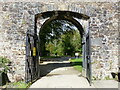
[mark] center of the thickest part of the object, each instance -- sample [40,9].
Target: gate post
[87,53]
[84,55]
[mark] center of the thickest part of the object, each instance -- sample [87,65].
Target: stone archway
[58,15]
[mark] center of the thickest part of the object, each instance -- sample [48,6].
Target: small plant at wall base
[4,64]
[3,70]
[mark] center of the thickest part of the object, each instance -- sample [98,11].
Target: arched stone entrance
[33,51]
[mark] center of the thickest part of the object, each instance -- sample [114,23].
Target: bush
[4,64]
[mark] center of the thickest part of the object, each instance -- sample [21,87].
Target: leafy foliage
[69,43]
[4,64]
[59,38]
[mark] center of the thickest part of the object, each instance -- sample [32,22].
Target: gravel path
[60,74]
[57,67]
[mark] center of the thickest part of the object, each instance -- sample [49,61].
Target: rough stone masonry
[16,17]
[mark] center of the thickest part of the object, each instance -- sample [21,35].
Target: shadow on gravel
[47,68]
[44,69]
[76,63]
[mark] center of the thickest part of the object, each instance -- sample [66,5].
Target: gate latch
[34,51]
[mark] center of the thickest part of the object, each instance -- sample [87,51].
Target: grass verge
[18,85]
[77,64]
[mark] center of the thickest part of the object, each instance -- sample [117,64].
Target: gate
[88,59]
[32,57]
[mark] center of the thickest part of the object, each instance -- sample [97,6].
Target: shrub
[4,64]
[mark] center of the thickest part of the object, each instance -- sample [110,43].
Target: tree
[60,38]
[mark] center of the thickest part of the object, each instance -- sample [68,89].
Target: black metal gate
[32,57]
[88,59]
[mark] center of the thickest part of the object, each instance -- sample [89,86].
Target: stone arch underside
[63,15]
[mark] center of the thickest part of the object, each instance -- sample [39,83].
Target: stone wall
[18,17]
[104,40]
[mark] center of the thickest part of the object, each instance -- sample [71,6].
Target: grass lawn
[77,64]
